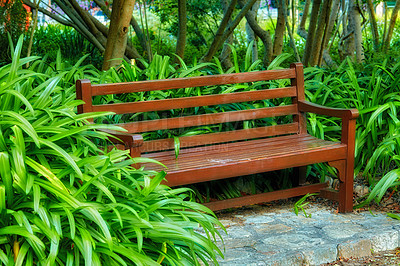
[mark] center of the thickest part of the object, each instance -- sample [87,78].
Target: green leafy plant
[301,203]
[64,200]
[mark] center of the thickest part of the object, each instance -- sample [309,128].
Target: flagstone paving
[268,235]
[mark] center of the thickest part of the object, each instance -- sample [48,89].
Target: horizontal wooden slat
[330,193]
[208,119]
[265,197]
[220,137]
[166,84]
[283,161]
[236,152]
[270,143]
[187,102]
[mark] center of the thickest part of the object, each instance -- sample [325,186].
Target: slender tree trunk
[145,25]
[218,35]
[280,29]
[331,22]
[293,15]
[292,42]
[182,22]
[219,40]
[141,37]
[302,26]
[85,17]
[393,18]
[35,20]
[344,17]
[374,24]
[49,14]
[384,24]
[264,35]
[311,31]
[319,33]
[348,39]
[79,25]
[328,33]
[225,56]
[356,21]
[251,36]
[118,33]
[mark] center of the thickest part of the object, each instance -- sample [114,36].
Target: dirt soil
[391,257]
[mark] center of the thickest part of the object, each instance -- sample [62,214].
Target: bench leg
[299,176]
[345,175]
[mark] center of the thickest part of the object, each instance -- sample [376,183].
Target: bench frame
[133,141]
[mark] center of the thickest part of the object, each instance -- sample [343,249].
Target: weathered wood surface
[239,152]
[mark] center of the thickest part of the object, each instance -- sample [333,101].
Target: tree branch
[49,14]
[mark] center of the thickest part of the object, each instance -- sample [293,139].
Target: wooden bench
[241,151]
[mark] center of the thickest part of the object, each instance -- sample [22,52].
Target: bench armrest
[130,140]
[350,114]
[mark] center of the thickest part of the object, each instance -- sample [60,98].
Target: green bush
[49,39]
[65,201]
[374,90]
[13,22]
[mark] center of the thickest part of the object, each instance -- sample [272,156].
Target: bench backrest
[86,91]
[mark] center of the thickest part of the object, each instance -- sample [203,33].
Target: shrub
[63,200]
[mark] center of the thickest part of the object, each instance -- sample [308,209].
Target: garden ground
[272,234]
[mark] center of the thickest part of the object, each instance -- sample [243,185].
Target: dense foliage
[64,201]
[14,21]
[373,89]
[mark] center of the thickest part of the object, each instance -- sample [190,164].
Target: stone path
[276,236]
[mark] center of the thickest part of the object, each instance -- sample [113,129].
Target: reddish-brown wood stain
[234,153]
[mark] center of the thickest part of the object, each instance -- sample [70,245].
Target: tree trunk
[251,36]
[264,35]
[218,35]
[356,21]
[182,22]
[293,16]
[220,38]
[35,20]
[292,42]
[319,33]
[311,31]
[391,25]
[135,25]
[280,29]
[331,22]
[142,38]
[302,27]
[79,25]
[90,28]
[328,33]
[374,24]
[49,14]
[225,56]
[118,32]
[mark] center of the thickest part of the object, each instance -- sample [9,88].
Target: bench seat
[244,157]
